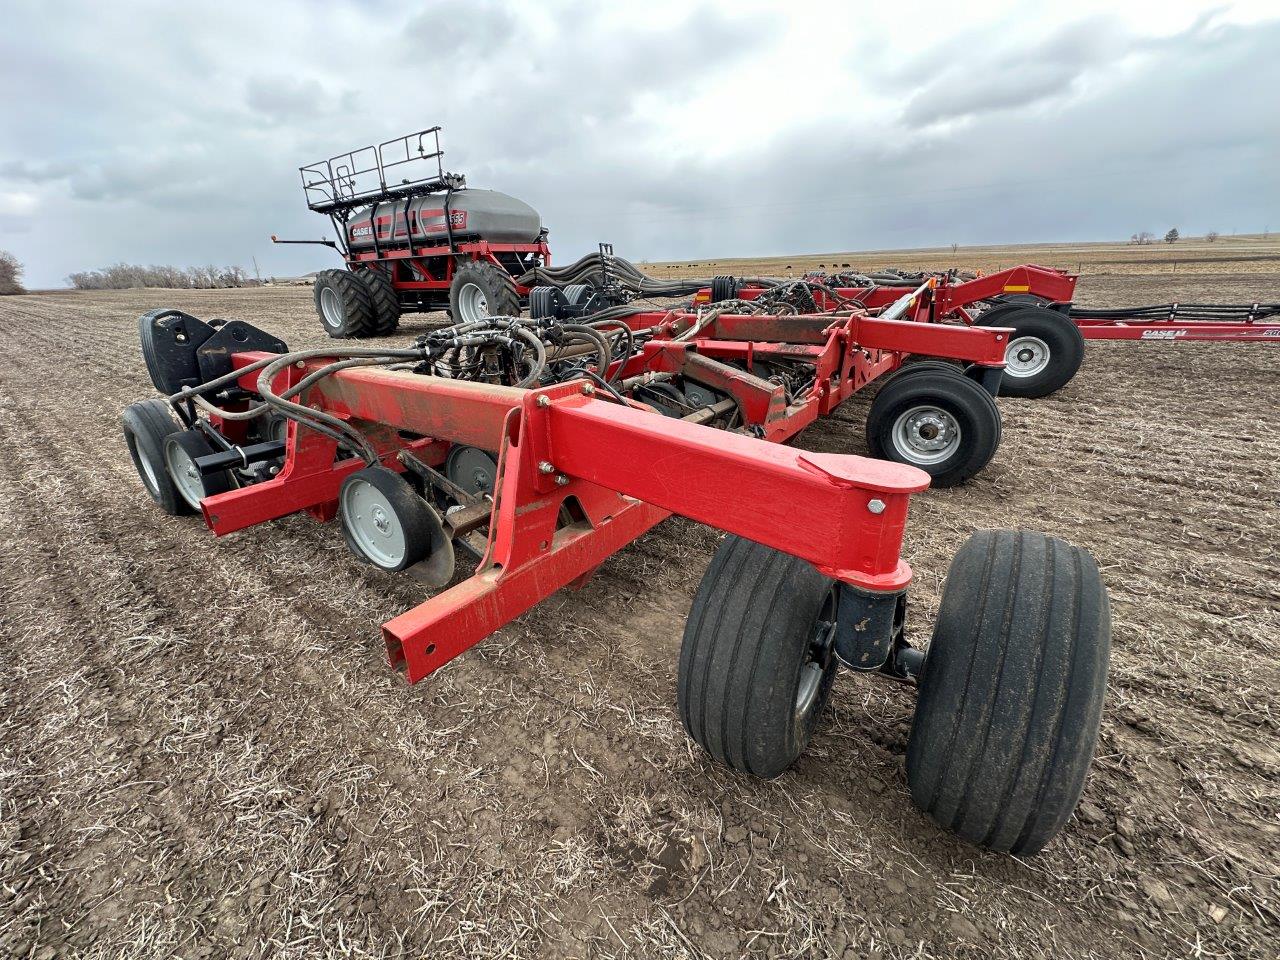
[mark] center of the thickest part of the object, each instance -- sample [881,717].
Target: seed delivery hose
[592,269]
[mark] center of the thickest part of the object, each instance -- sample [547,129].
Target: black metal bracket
[234,336]
[868,623]
[989,378]
[240,457]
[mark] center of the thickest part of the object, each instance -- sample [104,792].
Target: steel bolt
[588,389]
[544,401]
[875,506]
[546,466]
[561,480]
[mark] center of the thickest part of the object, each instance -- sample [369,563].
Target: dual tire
[364,303]
[164,455]
[356,305]
[1010,692]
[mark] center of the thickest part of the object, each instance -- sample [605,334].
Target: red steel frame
[622,468]
[949,301]
[433,267]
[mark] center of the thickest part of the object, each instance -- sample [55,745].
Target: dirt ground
[203,752]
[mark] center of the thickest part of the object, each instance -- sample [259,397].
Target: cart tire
[147,424]
[479,290]
[385,300]
[1011,691]
[384,521]
[344,305]
[942,422]
[1044,352]
[757,661]
[180,452]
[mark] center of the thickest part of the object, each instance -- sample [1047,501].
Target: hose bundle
[1201,312]
[593,269]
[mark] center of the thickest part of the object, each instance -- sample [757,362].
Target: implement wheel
[344,304]
[384,299]
[387,524]
[1044,352]
[941,422]
[1011,690]
[180,452]
[758,658]
[147,424]
[482,290]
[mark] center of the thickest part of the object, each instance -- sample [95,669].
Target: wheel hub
[1026,356]
[926,434]
[472,469]
[372,522]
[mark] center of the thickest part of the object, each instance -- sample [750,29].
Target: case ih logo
[364,231]
[1163,334]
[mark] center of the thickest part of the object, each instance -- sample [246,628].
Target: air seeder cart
[536,448]
[415,237]
[1049,331]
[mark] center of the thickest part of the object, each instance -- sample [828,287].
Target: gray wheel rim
[472,303]
[1025,357]
[372,522]
[473,469]
[186,476]
[330,308]
[812,671]
[926,434]
[148,471]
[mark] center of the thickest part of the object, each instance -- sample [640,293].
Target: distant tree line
[10,274]
[122,276]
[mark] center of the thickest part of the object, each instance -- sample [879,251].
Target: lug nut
[546,466]
[875,506]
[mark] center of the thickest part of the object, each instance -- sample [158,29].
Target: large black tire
[757,661]
[480,289]
[943,423]
[1044,353]
[1011,690]
[147,424]
[180,452]
[386,302]
[344,304]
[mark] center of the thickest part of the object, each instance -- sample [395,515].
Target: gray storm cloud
[177,139]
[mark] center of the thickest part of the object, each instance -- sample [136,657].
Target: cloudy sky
[171,133]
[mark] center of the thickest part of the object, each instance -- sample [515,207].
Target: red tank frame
[625,466]
[949,300]
[430,269]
